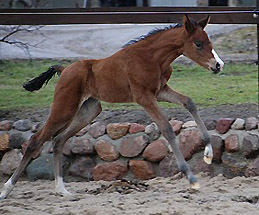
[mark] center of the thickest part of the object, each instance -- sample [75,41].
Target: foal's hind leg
[169,95]
[35,143]
[148,102]
[49,130]
[87,112]
[65,105]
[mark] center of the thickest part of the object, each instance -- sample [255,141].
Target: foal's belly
[114,96]
[111,89]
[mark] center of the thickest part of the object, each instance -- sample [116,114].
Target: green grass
[236,84]
[242,40]
[12,76]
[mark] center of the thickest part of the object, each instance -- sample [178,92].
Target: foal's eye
[198,44]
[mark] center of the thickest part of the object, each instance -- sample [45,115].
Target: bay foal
[137,73]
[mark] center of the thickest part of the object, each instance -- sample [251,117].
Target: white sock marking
[208,152]
[8,186]
[60,188]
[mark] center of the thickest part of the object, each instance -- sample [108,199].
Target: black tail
[37,83]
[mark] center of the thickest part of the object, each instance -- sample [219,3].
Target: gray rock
[36,127]
[251,123]
[253,168]
[97,129]
[67,149]
[83,167]
[189,124]
[16,140]
[83,131]
[47,148]
[82,146]
[251,145]
[41,168]
[22,125]
[239,124]
[198,165]
[234,164]
[6,125]
[133,145]
[168,166]
[152,131]
[210,124]
[10,161]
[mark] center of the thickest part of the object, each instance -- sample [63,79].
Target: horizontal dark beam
[222,15]
[128,9]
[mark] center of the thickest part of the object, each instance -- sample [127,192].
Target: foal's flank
[137,73]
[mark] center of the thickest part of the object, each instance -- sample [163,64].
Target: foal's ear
[188,24]
[204,22]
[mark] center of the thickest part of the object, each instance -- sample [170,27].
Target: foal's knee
[31,147]
[34,147]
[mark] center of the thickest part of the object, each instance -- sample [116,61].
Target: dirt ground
[139,116]
[161,196]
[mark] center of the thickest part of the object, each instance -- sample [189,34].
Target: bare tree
[12,31]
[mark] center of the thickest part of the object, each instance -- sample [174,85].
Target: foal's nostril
[217,66]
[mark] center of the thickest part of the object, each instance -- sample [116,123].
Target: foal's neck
[167,46]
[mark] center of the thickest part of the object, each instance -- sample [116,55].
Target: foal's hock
[137,73]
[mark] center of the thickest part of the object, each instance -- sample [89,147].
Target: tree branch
[11,31]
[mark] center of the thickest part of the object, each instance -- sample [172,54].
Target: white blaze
[217,58]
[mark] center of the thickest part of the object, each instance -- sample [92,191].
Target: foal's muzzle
[216,64]
[216,69]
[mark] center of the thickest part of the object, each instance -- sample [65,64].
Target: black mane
[150,33]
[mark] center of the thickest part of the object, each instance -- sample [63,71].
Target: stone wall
[130,150]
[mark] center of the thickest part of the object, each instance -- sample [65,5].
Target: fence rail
[219,15]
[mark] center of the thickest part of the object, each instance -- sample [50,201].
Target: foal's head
[198,47]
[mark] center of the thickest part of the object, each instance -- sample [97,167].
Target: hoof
[63,193]
[208,154]
[195,186]
[207,160]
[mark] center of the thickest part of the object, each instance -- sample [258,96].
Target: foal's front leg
[148,102]
[169,95]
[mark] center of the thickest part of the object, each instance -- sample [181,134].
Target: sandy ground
[163,196]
